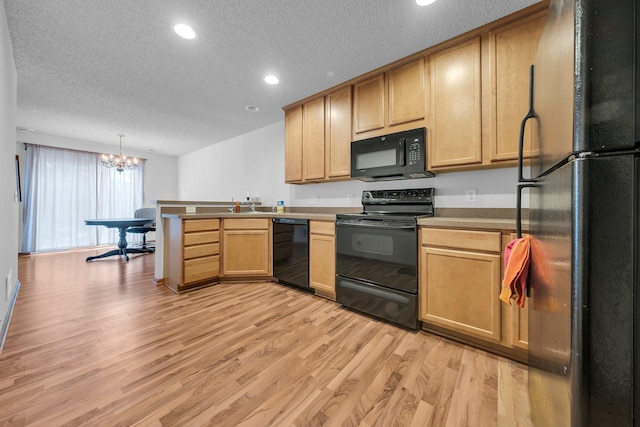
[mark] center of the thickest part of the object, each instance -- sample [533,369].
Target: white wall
[254,162]
[8,205]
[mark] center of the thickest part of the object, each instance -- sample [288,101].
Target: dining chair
[144,229]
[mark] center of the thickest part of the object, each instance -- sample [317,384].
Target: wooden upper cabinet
[313,128]
[338,133]
[513,49]
[471,95]
[369,104]
[455,132]
[318,138]
[293,144]
[390,102]
[406,93]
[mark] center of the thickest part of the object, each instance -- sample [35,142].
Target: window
[63,188]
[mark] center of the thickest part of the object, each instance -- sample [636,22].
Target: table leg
[122,247]
[122,243]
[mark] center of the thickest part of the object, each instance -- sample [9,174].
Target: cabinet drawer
[489,241]
[247,224]
[201,237]
[198,251]
[201,225]
[322,227]
[201,269]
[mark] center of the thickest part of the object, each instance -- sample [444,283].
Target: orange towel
[516,271]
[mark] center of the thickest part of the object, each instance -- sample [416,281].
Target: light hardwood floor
[98,344]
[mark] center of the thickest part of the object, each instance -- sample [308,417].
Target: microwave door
[377,158]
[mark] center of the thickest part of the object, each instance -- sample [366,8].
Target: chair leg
[144,243]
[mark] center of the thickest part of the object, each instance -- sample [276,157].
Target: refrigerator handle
[519,207]
[530,114]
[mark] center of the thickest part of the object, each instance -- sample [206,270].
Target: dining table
[122,224]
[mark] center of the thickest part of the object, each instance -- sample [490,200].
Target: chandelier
[119,162]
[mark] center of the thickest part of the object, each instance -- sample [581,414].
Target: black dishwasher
[291,252]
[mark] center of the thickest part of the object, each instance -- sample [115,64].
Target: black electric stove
[377,254]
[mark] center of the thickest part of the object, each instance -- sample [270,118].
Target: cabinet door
[313,128]
[338,133]
[246,253]
[406,93]
[459,291]
[520,323]
[369,104]
[456,133]
[293,144]
[514,49]
[322,263]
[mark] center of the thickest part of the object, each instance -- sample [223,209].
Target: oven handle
[374,291]
[388,226]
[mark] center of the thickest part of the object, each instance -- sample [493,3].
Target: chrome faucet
[251,205]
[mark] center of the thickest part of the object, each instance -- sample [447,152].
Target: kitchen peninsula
[460,253]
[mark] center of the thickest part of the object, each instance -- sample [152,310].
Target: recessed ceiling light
[252,108]
[184,31]
[26,130]
[272,80]
[424,2]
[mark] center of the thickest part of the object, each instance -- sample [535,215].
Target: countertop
[244,215]
[486,219]
[473,222]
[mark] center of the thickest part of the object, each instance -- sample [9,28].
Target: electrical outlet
[471,195]
[350,198]
[313,199]
[191,209]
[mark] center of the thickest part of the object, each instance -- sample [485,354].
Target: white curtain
[63,188]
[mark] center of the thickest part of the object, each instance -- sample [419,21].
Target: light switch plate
[313,198]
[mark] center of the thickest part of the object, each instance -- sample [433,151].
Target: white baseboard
[7,318]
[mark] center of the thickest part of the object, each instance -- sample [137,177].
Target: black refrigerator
[584,205]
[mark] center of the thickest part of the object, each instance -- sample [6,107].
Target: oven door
[383,252]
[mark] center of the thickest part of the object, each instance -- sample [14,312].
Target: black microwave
[400,155]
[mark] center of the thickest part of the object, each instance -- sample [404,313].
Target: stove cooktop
[395,205]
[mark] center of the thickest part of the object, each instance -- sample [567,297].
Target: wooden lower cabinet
[459,286]
[322,258]
[193,250]
[246,247]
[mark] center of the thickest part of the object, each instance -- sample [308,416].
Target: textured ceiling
[88,69]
